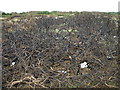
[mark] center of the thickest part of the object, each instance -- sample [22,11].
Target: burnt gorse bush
[47,51]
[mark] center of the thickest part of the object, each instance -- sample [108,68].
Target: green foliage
[43,12]
[6,14]
[52,13]
[3,13]
[113,13]
[22,13]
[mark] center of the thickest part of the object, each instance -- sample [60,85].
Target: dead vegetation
[46,52]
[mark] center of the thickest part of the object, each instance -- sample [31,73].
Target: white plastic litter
[114,36]
[57,37]
[70,57]
[56,17]
[62,71]
[84,65]
[13,63]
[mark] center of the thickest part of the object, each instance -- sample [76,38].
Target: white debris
[80,42]
[70,57]
[66,37]
[57,37]
[84,65]
[114,36]
[13,63]
[56,17]
[15,19]
[109,57]
[61,71]
[60,16]
[36,17]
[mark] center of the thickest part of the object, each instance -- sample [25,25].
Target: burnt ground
[46,51]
